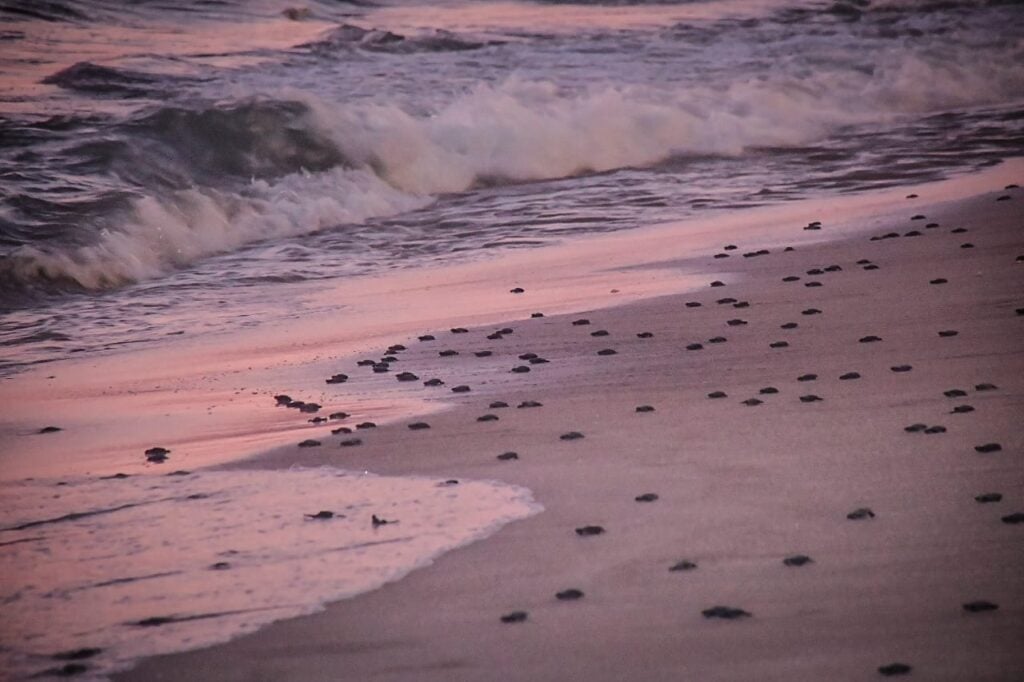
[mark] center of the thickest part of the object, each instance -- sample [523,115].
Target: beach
[739,487]
[511,340]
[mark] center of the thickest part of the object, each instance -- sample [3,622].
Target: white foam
[67,585]
[522,130]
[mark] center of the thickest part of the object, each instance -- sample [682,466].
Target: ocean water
[168,166]
[171,171]
[98,573]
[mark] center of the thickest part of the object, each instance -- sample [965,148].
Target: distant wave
[104,80]
[371,40]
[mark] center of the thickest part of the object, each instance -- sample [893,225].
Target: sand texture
[769,472]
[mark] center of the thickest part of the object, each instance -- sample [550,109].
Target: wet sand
[844,545]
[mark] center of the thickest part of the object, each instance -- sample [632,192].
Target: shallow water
[88,562]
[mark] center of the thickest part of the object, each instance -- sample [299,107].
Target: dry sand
[740,487]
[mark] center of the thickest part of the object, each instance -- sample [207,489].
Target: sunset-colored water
[205,206]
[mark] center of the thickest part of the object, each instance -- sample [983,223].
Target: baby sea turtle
[988,447]
[988,498]
[508,456]
[860,514]
[646,497]
[406,376]
[607,351]
[321,515]
[797,560]
[419,426]
[779,344]
[807,377]
[683,566]
[789,325]
[726,612]
[157,455]
[461,388]
[529,403]
[350,442]
[644,408]
[309,443]
[752,402]
[717,394]
[571,435]
[947,333]
[487,418]
[980,606]
[586,531]
[895,669]
[514,617]
[571,594]
[433,382]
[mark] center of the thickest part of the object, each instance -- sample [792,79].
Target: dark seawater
[175,166]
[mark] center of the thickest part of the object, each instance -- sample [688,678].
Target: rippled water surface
[169,169]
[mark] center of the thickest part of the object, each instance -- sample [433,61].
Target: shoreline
[207,397]
[740,487]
